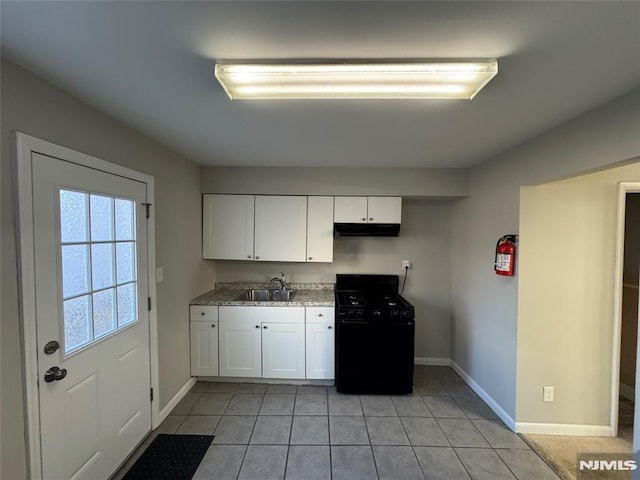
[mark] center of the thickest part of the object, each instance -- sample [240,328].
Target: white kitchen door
[92,320]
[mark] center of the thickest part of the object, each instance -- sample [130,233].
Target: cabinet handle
[364,219]
[248,256]
[310,258]
[202,313]
[257,257]
[257,326]
[213,325]
[330,327]
[371,219]
[320,315]
[265,327]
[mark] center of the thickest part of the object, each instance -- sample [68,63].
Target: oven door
[374,357]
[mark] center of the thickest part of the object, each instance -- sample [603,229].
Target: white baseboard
[164,413]
[441,362]
[565,429]
[493,405]
[627,392]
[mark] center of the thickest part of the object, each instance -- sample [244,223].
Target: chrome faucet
[281,280]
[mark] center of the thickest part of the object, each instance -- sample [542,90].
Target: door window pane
[127,304]
[126,261]
[77,322]
[102,265]
[74,216]
[125,220]
[99,268]
[104,312]
[75,270]
[101,218]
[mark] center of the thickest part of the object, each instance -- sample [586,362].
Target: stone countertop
[304,297]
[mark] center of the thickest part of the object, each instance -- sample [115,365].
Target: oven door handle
[353,322]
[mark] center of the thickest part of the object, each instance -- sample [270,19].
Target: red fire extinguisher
[505,261]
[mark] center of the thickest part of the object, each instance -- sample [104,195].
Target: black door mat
[170,457]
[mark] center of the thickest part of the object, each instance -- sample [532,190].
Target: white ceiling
[150,64]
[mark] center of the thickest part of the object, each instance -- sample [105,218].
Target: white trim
[493,405]
[171,404]
[437,361]
[618,287]
[23,148]
[627,392]
[564,429]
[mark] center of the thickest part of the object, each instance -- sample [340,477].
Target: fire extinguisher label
[503,261]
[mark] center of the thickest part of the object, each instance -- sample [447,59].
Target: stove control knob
[405,314]
[377,313]
[394,313]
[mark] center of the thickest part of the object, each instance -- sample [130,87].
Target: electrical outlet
[159,274]
[406,264]
[547,394]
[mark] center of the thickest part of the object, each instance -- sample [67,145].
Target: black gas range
[375,332]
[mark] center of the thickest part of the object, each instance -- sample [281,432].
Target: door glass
[98,262]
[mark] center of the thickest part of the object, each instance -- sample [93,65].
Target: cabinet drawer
[320,314]
[262,314]
[203,313]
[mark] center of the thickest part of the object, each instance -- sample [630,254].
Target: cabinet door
[281,228]
[227,227]
[204,348]
[320,351]
[320,229]
[350,210]
[283,350]
[384,210]
[240,349]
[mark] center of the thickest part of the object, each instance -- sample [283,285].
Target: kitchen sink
[266,295]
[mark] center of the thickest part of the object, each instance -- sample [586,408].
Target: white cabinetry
[320,342]
[283,350]
[320,229]
[204,340]
[368,210]
[240,349]
[262,342]
[228,227]
[280,228]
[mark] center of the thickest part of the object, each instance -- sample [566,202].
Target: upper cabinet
[280,228]
[267,228]
[320,229]
[227,227]
[368,210]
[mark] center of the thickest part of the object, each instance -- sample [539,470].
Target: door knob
[55,374]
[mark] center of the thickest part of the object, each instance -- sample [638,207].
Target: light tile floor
[442,431]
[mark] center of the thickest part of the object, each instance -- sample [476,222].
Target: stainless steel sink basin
[282,295]
[266,295]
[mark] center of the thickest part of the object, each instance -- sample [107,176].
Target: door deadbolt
[55,374]
[51,347]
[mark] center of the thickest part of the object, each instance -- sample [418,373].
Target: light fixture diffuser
[441,79]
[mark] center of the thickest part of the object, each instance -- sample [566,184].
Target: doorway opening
[629,316]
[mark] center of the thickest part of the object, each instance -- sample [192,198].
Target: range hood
[366,229]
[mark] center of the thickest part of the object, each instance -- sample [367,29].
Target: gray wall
[34,107]
[425,239]
[566,298]
[405,182]
[484,304]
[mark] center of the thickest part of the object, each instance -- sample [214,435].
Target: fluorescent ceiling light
[442,79]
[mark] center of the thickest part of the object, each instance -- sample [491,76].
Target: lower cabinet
[283,350]
[204,348]
[267,342]
[240,345]
[204,340]
[320,343]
